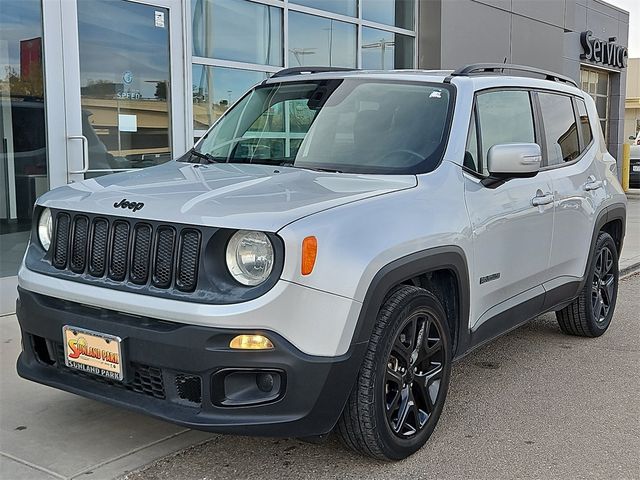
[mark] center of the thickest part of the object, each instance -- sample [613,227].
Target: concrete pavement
[534,404]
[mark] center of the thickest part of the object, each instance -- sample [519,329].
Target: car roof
[478,82]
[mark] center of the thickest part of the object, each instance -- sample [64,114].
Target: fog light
[265,382]
[251,342]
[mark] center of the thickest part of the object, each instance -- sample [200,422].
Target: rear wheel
[403,381]
[590,314]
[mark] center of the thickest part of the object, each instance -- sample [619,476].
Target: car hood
[257,197]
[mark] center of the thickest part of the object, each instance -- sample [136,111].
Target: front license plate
[93,352]
[636,168]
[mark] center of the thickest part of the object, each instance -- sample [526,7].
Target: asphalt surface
[533,404]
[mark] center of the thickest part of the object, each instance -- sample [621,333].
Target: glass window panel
[349,125]
[505,117]
[471,152]
[215,88]
[399,13]
[603,84]
[344,7]
[601,106]
[587,135]
[386,50]
[320,41]
[561,131]
[124,84]
[237,30]
[23,150]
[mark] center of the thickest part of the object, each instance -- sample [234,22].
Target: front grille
[145,379]
[99,237]
[163,266]
[79,244]
[127,251]
[189,387]
[61,246]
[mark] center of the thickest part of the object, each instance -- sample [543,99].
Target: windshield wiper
[205,156]
[291,163]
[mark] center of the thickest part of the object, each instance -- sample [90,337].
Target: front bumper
[173,370]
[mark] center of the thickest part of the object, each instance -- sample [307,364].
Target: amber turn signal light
[251,342]
[309,253]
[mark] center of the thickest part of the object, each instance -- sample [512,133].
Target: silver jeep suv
[326,251]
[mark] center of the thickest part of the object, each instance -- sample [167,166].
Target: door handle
[593,185]
[542,199]
[85,153]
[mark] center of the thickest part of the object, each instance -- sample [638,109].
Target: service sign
[602,52]
[93,352]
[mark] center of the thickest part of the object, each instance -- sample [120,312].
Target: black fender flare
[449,257]
[616,211]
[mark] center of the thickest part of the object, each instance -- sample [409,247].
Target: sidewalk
[630,258]
[48,434]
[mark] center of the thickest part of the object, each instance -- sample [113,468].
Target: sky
[633,7]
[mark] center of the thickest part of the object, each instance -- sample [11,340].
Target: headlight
[250,257]
[45,228]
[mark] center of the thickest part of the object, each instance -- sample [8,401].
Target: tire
[371,422]
[590,314]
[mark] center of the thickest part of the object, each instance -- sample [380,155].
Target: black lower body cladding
[186,374]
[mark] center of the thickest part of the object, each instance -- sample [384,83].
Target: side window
[585,127]
[560,128]
[471,160]
[505,116]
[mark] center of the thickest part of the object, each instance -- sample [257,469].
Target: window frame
[545,155]
[537,127]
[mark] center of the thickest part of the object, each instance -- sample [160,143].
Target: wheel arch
[437,269]
[612,219]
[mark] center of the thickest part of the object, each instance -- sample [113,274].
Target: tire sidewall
[392,446]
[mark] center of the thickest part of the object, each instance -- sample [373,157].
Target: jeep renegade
[326,251]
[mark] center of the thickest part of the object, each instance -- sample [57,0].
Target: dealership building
[96,86]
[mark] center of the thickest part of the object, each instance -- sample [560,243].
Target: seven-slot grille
[126,251]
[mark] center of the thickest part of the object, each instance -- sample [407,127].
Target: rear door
[570,156]
[511,235]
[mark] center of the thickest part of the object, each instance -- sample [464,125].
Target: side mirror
[514,160]
[631,137]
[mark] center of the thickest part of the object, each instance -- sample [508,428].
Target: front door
[512,223]
[124,87]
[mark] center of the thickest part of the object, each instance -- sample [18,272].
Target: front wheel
[403,381]
[590,314]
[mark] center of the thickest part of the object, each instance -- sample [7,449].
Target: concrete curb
[629,270]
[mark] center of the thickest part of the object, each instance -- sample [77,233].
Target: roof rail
[302,70]
[499,68]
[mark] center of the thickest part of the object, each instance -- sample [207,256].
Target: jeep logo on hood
[124,203]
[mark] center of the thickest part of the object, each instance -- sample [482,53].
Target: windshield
[343,125]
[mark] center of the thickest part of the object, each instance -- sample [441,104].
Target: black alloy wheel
[603,285]
[413,375]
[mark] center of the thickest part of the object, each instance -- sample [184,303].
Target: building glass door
[125,80]
[23,146]
[124,83]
